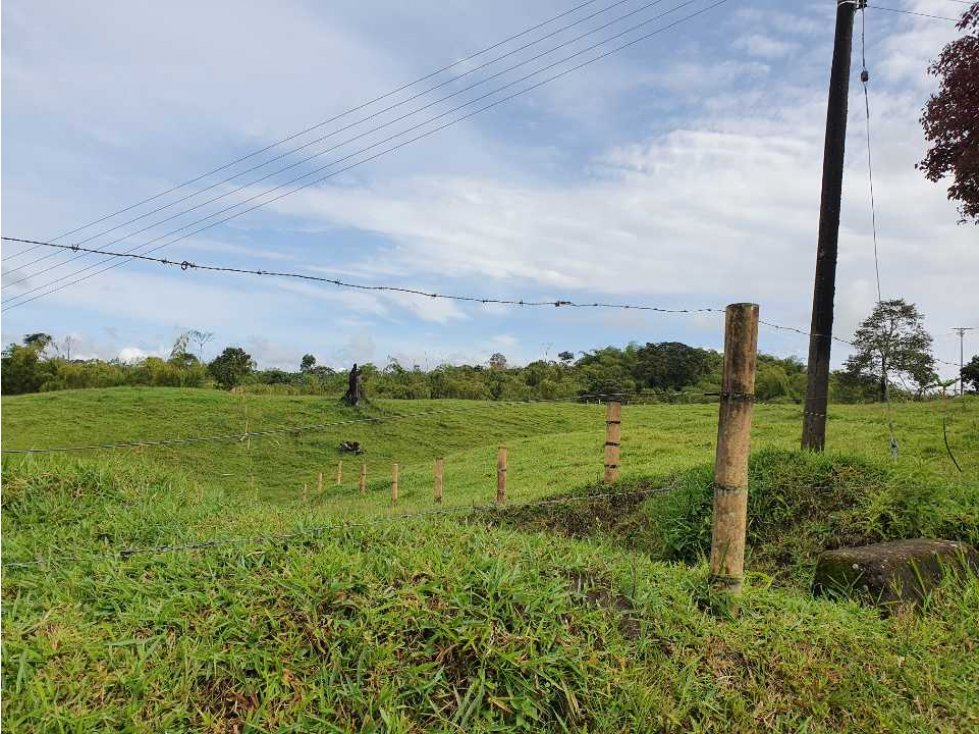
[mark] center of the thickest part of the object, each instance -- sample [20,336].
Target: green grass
[581,616]
[552,447]
[428,624]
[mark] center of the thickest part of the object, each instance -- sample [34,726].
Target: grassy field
[580,615]
[552,447]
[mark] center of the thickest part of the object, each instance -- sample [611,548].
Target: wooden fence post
[439,466]
[339,473]
[501,476]
[319,483]
[613,435]
[305,492]
[394,485]
[363,477]
[731,460]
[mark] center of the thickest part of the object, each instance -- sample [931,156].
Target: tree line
[892,341]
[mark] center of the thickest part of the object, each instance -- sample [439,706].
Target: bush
[800,504]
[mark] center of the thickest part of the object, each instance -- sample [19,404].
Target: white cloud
[132,354]
[767,47]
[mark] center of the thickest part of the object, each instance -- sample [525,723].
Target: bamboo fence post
[439,466]
[731,460]
[394,484]
[363,477]
[613,436]
[319,483]
[501,467]
[339,473]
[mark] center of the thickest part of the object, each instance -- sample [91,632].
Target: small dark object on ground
[351,447]
[888,574]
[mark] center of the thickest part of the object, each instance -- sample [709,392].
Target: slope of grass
[427,624]
[551,446]
[799,504]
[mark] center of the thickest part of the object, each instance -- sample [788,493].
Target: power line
[865,79]
[913,12]
[356,137]
[381,153]
[318,124]
[344,128]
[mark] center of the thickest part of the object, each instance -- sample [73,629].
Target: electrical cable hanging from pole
[346,127]
[315,126]
[53,287]
[865,80]
[347,141]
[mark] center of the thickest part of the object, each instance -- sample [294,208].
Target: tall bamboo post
[439,467]
[501,467]
[731,460]
[613,435]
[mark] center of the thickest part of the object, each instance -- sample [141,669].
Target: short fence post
[305,492]
[339,473]
[439,466]
[363,478]
[613,435]
[731,460]
[319,483]
[501,476]
[394,485]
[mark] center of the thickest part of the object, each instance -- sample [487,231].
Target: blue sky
[681,172]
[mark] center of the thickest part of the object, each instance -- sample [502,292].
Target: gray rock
[888,574]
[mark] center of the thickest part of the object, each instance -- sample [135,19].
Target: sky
[681,172]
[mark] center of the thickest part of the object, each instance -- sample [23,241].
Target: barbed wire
[189,265]
[186,265]
[319,530]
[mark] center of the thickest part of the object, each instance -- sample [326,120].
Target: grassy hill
[552,446]
[245,613]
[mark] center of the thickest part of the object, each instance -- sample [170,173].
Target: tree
[673,365]
[892,342]
[200,338]
[970,373]
[39,341]
[951,118]
[497,362]
[179,354]
[308,363]
[566,357]
[231,367]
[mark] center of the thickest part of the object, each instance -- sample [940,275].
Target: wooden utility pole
[821,332]
[613,436]
[731,460]
[501,467]
[439,466]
